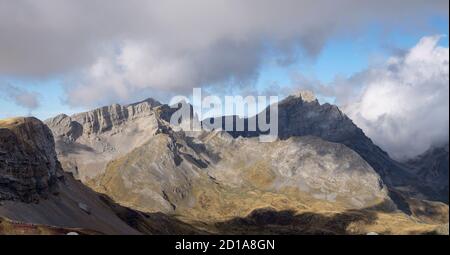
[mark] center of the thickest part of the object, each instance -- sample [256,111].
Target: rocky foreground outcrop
[28,163]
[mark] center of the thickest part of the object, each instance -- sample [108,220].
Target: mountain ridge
[211,182]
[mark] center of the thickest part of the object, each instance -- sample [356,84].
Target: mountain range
[124,169]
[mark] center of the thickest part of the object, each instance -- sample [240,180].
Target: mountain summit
[305,95]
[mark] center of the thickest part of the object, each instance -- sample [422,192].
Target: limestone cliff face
[28,162]
[99,120]
[106,118]
[86,142]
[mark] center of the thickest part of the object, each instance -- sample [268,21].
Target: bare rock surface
[28,162]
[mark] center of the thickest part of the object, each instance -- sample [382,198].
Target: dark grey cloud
[112,50]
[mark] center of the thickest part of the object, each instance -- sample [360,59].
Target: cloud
[116,50]
[403,105]
[21,97]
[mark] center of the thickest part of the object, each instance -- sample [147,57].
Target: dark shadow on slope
[74,148]
[200,148]
[151,223]
[268,221]
[400,200]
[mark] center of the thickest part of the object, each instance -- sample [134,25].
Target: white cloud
[403,105]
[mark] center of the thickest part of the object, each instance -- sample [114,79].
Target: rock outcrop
[28,163]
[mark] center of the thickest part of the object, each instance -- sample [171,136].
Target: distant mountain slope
[171,175]
[433,168]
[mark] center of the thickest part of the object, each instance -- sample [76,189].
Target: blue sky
[346,56]
[342,56]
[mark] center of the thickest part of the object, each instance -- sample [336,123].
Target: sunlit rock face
[86,142]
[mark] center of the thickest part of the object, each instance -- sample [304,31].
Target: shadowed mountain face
[432,167]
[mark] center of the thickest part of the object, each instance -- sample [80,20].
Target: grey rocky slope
[176,175]
[309,165]
[433,168]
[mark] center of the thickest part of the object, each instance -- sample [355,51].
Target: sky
[62,56]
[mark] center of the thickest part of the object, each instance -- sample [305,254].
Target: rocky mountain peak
[300,97]
[306,95]
[149,101]
[101,119]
